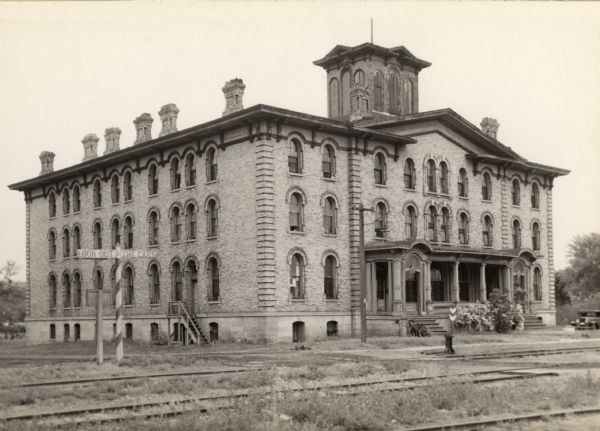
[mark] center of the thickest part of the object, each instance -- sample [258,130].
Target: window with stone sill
[380,169]
[175,224]
[127,187]
[487,232]
[211,165]
[51,245]
[51,205]
[66,243]
[154,281]
[66,202]
[431,176]
[76,199]
[152,180]
[444,179]
[297,277]
[381,222]
[175,174]
[212,219]
[516,193]
[97,194]
[535,196]
[410,225]
[329,217]
[330,278]
[52,296]
[190,170]
[328,163]
[115,191]
[214,291]
[295,157]
[410,174]
[486,187]
[463,183]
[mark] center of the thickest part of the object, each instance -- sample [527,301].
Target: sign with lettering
[87,253]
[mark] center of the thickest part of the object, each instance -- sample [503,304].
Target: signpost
[97,298]
[450,334]
[116,254]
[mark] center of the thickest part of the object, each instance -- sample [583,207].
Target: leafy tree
[584,260]
[12,302]
[562,282]
[9,270]
[503,312]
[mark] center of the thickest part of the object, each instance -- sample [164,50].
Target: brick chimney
[90,146]
[489,126]
[234,93]
[112,136]
[168,118]
[143,128]
[47,159]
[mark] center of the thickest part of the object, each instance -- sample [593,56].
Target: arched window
[431,187]
[463,183]
[51,245]
[295,156]
[394,92]
[488,235]
[463,229]
[516,234]
[328,162]
[115,232]
[190,216]
[380,220]
[334,100]
[535,236]
[97,194]
[444,178]
[410,224]
[432,230]
[98,279]
[66,242]
[190,170]
[445,225]
[52,291]
[128,281]
[212,219]
[297,276]
[409,174]
[211,165]
[66,281]
[214,293]
[115,191]
[76,199]
[296,212]
[537,284]
[152,180]
[535,195]
[128,232]
[127,186]
[175,224]
[66,202]
[175,174]
[51,205]
[76,290]
[359,77]
[330,216]
[345,93]
[97,232]
[407,96]
[76,239]
[486,187]
[378,91]
[330,277]
[153,228]
[154,280]
[516,192]
[380,169]
[177,281]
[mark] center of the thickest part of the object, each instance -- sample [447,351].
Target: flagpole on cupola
[371,30]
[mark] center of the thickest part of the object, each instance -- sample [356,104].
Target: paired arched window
[463,229]
[296,212]
[154,280]
[128,232]
[444,178]
[463,183]
[410,224]
[445,225]
[380,170]
[52,291]
[152,180]
[115,230]
[177,282]
[516,234]
[409,174]
[190,217]
[77,290]
[214,293]
[115,191]
[431,187]
[127,186]
[175,174]
[211,165]
[330,278]
[153,228]
[378,92]
[328,162]
[535,195]
[486,187]
[128,281]
[66,282]
[97,194]
[51,205]
[330,216]
[76,239]
[190,170]
[380,220]
[537,284]
[97,232]
[66,202]
[297,276]
[51,245]
[535,236]
[66,242]
[516,192]
[488,235]
[295,156]
[175,224]
[394,93]
[212,218]
[76,199]
[432,229]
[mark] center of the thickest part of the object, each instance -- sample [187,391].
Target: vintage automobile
[588,319]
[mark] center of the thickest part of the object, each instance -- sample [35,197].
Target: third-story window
[66,243]
[516,234]
[487,231]
[97,232]
[486,187]
[329,278]
[115,191]
[190,170]
[177,282]
[77,290]
[76,239]
[52,245]
[66,202]
[97,194]
[410,224]
[153,228]
[295,157]
[297,276]
[329,216]
[431,187]
[535,236]
[175,174]
[212,218]
[380,220]
[127,187]
[190,216]
[154,284]
[444,178]
[214,292]
[463,183]
[51,205]
[175,224]
[432,229]
[380,169]
[516,192]
[76,199]
[296,212]
[128,291]
[409,174]
[463,229]
[52,291]
[211,165]
[445,225]
[152,180]
[66,291]
[115,233]
[328,162]
[535,195]
[128,232]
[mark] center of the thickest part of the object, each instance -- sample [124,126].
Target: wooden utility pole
[363,272]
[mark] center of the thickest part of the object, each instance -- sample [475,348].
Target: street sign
[91,295]
[89,253]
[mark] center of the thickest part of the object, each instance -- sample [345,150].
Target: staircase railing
[192,330]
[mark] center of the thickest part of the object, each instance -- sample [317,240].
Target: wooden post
[119,310]
[455,283]
[99,338]
[482,285]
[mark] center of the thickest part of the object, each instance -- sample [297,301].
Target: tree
[584,260]
[9,270]
[562,282]
[12,302]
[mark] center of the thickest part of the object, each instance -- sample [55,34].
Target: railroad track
[516,353]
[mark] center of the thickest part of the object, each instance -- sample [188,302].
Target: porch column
[529,290]
[369,298]
[482,285]
[398,280]
[507,281]
[390,287]
[427,280]
[455,286]
[373,287]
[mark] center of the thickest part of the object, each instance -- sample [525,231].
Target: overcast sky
[70,69]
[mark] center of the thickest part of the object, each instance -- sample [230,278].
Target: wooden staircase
[532,321]
[189,331]
[430,322]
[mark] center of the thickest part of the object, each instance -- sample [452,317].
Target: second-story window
[463,229]
[214,292]
[297,276]
[486,187]
[152,180]
[66,243]
[127,187]
[296,212]
[115,232]
[329,216]
[76,199]
[380,220]
[295,157]
[329,277]
[432,229]
[76,239]
[97,194]
[409,174]
[410,224]
[535,195]
[97,232]
[190,170]
[535,236]
[66,202]
[115,191]
[128,232]
[444,180]
[153,228]
[175,224]
[380,169]
[175,174]
[328,162]
[445,225]
[516,192]
[516,234]
[190,216]
[51,245]
[487,231]
[51,205]
[212,218]
[463,183]
[211,165]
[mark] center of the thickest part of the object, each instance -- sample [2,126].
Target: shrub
[476,317]
[504,313]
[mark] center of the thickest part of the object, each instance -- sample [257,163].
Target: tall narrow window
[431,187]
[97,193]
[463,183]
[212,218]
[378,91]
[296,212]
[77,290]
[410,227]
[295,156]
[76,239]
[328,162]
[115,232]
[98,279]
[128,279]
[445,225]
[380,220]
[487,231]
[297,276]
[175,224]
[52,291]
[535,195]
[153,228]
[463,229]
[190,170]
[115,191]
[97,231]
[444,178]
[334,98]
[177,282]
[154,285]
[51,245]
[535,236]
[127,186]
[394,93]
[359,77]
[66,291]
[516,234]
[66,243]
[486,187]
[51,205]
[329,217]
[128,232]
[214,293]
[76,199]
[537,284]
[211,165]
[190,216]
[152,180]
[409,174]
[516,192]
[175,174]
[432,230]
[380,169]
[329,278]
[66,202]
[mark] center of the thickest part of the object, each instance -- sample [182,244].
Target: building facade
[253,218]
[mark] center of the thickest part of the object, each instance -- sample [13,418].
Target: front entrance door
[413,286]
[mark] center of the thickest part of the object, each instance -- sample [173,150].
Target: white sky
[68,69]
